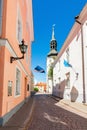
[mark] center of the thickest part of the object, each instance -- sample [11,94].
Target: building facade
[16,24]
[41,86]
[70,66]
[50,59]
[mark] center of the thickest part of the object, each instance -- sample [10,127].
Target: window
[1,7]
[9,88]
[68,83]
[59,81]
[68,80]
[67,54]
[18,76]
[19,27]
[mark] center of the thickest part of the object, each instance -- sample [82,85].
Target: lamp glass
[23,48]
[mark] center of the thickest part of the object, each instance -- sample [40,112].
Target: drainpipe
[83,70]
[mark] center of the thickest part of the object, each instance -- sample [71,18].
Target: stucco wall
[74,43]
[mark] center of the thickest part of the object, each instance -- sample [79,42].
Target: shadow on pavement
[48,116]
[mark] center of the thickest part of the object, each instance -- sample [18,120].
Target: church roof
[53,52]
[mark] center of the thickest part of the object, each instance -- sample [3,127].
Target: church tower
[50,59]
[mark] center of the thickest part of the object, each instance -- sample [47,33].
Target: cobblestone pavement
[48,116]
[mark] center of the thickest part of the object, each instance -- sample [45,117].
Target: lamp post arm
[15,58]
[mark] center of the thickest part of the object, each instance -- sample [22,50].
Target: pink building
[16,24]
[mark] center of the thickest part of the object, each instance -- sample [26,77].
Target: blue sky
[45,14]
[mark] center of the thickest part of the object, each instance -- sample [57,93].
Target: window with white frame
[1,7]
[18,79]
[19,27]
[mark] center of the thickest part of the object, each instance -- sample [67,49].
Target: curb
[14,123]
[29,119]
[73,105]
[70,105]
[55,98]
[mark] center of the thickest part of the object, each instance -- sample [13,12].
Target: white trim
[4,42]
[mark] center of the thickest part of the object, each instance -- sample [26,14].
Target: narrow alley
[49,116]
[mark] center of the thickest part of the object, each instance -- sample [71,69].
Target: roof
[73,33]
[40,84]
[53,52]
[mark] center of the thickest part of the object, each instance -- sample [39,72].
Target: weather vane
[54,25]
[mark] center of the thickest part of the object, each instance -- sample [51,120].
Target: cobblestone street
[48,116]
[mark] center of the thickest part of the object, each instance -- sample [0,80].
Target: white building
[50,60]
[71,82]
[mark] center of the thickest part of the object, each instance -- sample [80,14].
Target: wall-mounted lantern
[23,49]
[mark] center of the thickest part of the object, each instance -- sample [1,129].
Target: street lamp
[23,49]
[82,47]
